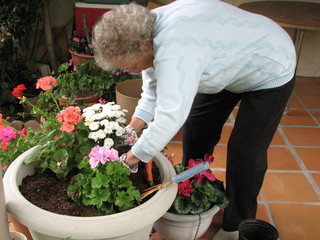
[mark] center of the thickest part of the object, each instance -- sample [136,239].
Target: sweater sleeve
[176,84]
[147,103]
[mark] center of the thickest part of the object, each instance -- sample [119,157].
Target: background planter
[128,93]
[88,101]
[79,58]
[184,227]
[134,224]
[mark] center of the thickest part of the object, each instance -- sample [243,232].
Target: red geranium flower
[18,91]
[185,188]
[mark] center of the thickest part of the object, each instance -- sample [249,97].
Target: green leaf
[98,181]
[198,198]
[182,205]
[63,67]
[32,156]
[195,210]
[61,155]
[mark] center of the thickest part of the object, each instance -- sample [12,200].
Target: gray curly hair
[122,34]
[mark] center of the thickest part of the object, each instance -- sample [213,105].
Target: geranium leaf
[61,155]
[32,157]
[182,205]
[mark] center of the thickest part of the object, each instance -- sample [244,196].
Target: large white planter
[184,227]
[134,224]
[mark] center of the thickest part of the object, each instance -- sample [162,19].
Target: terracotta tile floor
[290,196]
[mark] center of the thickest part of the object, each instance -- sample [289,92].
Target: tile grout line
[300,163]
[268,210]
[293,203]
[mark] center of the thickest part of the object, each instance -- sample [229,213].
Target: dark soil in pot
[50,193]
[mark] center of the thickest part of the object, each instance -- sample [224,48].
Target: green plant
[199,193]
[86,79]
[14,143]
[107,187]
[81,44]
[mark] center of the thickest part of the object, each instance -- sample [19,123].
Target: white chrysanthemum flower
[101,134]
[116,107]
[108,130]
[121,120]
[96,107]
[88,113]
[93,126]
[114,125]
[118,114]
[108,142]
[100,116]
[120,131]
[111,114]
[108,125]
[104,122]
[94,136]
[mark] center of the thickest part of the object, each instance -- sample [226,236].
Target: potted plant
[86,83]
[80,48]
[198,200]
[14,142]
[14,137]
[84,145]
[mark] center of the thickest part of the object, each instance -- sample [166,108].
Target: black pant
[257,120]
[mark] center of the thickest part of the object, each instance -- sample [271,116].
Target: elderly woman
[199,58]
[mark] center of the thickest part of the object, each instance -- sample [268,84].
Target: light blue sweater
[205,46]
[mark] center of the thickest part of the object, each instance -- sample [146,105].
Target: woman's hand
[130,161]
[137,124]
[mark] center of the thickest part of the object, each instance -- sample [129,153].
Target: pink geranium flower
[208,173]
[102,155]
[6,135]
[69,117]
[46,83]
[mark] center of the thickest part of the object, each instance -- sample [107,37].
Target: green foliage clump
[107,187]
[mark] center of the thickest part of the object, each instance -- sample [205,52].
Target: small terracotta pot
[17,236]
[16,227]
[79,58]
[88,101]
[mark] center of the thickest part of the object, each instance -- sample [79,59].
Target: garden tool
[177,179]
